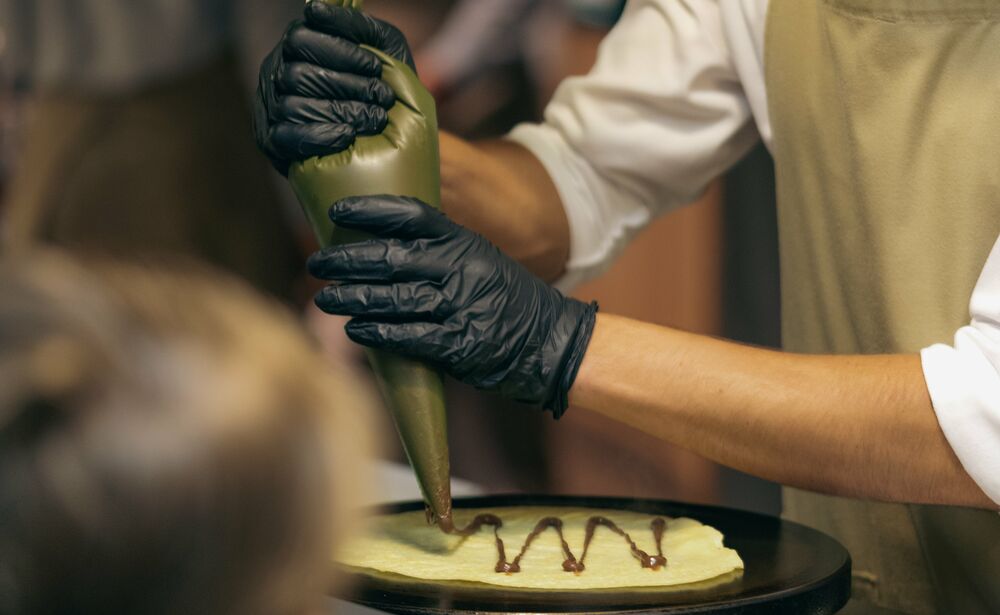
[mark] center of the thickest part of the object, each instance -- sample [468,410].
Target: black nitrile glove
[319,89]
[428,288]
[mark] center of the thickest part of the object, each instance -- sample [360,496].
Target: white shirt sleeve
[659,117]
[964,383]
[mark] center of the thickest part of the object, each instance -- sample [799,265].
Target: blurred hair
[168,444]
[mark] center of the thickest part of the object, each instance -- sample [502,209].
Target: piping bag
[403,160]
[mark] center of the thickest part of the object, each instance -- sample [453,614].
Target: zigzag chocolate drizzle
[570,563]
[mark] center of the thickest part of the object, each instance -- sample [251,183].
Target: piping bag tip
[414,394]
[442,519]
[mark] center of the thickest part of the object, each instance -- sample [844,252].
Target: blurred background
[125,128]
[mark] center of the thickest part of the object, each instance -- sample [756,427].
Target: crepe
[404,544]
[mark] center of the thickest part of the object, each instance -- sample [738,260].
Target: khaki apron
[886,137]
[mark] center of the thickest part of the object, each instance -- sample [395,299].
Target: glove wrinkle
[332,52]
[359,28]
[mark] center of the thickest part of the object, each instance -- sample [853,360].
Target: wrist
[585,316]
[501,191]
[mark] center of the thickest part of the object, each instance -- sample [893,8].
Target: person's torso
[884,126]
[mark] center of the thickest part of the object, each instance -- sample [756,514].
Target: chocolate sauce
[570,563]
[659,527]
[645,559]
[448,526]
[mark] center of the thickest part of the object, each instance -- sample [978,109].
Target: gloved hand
[428,288]
[319,90]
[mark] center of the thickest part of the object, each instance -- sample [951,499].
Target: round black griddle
[789,569]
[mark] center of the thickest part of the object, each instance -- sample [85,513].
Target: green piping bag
[404,160]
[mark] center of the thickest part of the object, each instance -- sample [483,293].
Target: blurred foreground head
[165,446]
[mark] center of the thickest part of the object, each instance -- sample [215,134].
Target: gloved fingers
[305,44]
[267,86]
[411,300]
[392,216]
[365,119]
[296,79]
[379,260]
[358,27]
[421,340]
[297,142]
[311,81]
[344,104]
[262,123]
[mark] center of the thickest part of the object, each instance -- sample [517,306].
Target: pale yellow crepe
[404,544]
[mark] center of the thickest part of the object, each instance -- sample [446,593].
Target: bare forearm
[859,426]
[499,189]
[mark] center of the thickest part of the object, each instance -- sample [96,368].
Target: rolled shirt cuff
[965,390]
[595,234]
